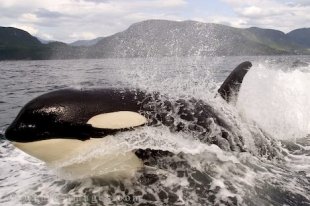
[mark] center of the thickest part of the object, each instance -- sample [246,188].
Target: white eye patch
[117,120]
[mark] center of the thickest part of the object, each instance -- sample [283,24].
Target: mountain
[60,50]
[10,36]
[272,38]
[171,38]
[16,44]
[86,42]
[43,41]
[157,38]
[301,37]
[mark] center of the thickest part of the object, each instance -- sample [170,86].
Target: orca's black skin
[64,113]
[234,80]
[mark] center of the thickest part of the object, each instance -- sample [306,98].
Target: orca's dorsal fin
[233,82]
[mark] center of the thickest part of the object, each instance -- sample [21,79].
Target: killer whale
[234,80]
[57,124]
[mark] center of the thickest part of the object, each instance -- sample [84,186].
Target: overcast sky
[70,20]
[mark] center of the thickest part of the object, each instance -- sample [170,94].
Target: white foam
[156,138]
[278,101]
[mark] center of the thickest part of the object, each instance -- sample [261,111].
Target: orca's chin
[113,165]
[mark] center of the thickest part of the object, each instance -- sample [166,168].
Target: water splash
[278,101]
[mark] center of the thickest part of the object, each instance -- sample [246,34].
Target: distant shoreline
[160,38]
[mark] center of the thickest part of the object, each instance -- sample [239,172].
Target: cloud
[45,13]
[230,21]
[28,28]
[70,20]
[83,35]
[140,3]
[283,15]
[46,36]
[29,17]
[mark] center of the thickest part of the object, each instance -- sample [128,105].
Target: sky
[71,20]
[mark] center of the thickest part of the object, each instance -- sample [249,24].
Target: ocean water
[271,113]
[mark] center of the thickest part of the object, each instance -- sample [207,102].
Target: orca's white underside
[115,164]
[112,164]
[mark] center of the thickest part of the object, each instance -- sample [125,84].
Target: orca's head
[43,123]
[56,123]
[75,114]
[39,126]
[47,137]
